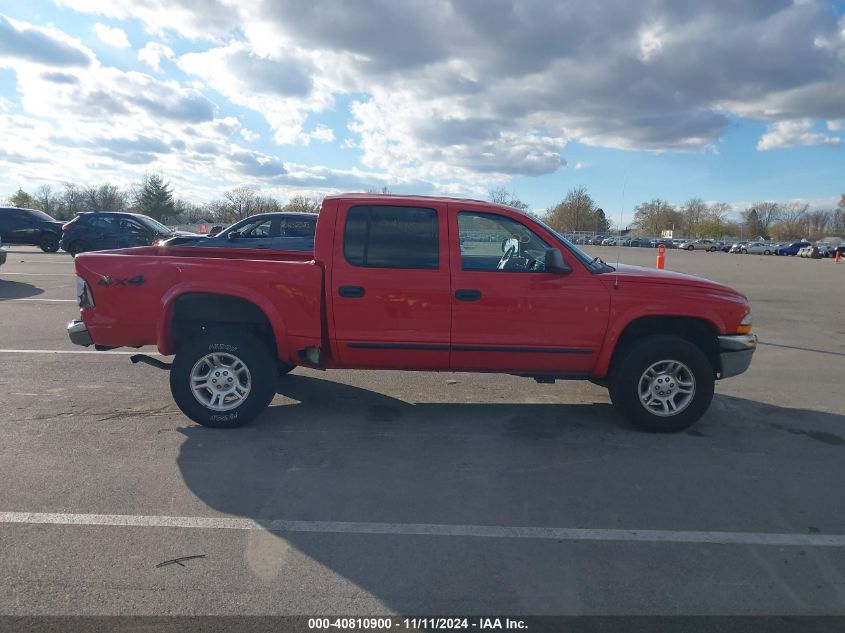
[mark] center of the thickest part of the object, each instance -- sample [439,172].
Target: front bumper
[78,333]
[735,353]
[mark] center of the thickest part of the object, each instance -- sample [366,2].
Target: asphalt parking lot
[413,493]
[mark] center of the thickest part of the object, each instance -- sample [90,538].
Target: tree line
[577,212]
[699,219]
[153,196]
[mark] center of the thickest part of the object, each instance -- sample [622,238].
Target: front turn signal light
[745,325]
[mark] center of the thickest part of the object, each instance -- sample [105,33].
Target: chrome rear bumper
[78,333]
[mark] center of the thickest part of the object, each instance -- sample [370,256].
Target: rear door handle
[467,295]
[351,292]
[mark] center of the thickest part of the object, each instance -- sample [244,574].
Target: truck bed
[135,291]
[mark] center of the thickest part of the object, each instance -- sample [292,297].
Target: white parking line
[44,300]
[73,351]
[5,274]
[428,529]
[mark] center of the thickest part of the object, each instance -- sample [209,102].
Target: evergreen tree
[156,198]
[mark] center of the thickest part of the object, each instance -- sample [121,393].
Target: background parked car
[31,227]
[699,245]
[758,248]
[791,249]
[280,231]
[737,247]
[102,230]
[2,253]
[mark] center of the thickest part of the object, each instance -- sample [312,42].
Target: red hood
[639,274]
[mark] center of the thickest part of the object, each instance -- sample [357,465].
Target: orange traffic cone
[838,257]
[661,256]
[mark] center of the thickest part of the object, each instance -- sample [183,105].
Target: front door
[508,313]
[390,286]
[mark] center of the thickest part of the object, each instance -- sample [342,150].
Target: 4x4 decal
[107,281]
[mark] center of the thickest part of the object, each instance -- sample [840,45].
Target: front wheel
[223,378]
[662,384]
[690,248]
[767,252]
[49,243]
[744,251]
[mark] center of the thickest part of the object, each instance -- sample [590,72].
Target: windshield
[595,264]
[158,227]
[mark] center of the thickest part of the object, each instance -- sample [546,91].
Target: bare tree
[303,204]
[105,197]
[656,216]
[793,220]
[818,222]
[48,201]
[578,212]
[72,201]
[500,195]
[693,212]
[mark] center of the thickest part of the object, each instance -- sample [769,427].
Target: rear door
[390,286]
[508,314]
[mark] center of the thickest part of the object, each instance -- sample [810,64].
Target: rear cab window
[385,236]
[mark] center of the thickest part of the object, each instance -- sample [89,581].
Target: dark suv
[103,230]
[277,231]
[30,226]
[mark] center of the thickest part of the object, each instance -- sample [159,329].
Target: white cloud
[322,133]
[249,135]
[152,54]
[111,35]
[792,133]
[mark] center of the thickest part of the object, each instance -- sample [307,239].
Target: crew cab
[415,283]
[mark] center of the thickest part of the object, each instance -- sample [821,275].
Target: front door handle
[351,292]
[467,295]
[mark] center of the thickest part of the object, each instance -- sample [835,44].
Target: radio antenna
[619,239]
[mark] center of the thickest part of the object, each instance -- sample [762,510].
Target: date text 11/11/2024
[412,624]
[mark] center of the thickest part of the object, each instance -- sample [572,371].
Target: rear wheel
[767,252]
[223,378]
[77,247]
[662,384]
[49,243]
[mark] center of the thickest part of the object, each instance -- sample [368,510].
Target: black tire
[743,251]
[631,367]
[690,247]
[77,247]
[228,343]
[712,249]
[49,242]
[767,252]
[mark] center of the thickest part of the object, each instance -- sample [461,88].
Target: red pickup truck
[416,283]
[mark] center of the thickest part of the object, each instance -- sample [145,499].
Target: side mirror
[554,263]
[232,235]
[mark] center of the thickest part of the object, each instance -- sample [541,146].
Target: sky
[726,100]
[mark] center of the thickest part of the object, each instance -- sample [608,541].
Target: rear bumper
[78,334]
[735,353]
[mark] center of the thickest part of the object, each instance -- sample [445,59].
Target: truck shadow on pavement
[17,290]
[345,454]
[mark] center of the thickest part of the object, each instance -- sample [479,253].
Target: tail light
[83,294]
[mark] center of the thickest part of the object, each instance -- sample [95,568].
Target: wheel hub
[220,382]
[666,388]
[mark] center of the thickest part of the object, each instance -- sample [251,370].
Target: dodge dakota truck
[416,283]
